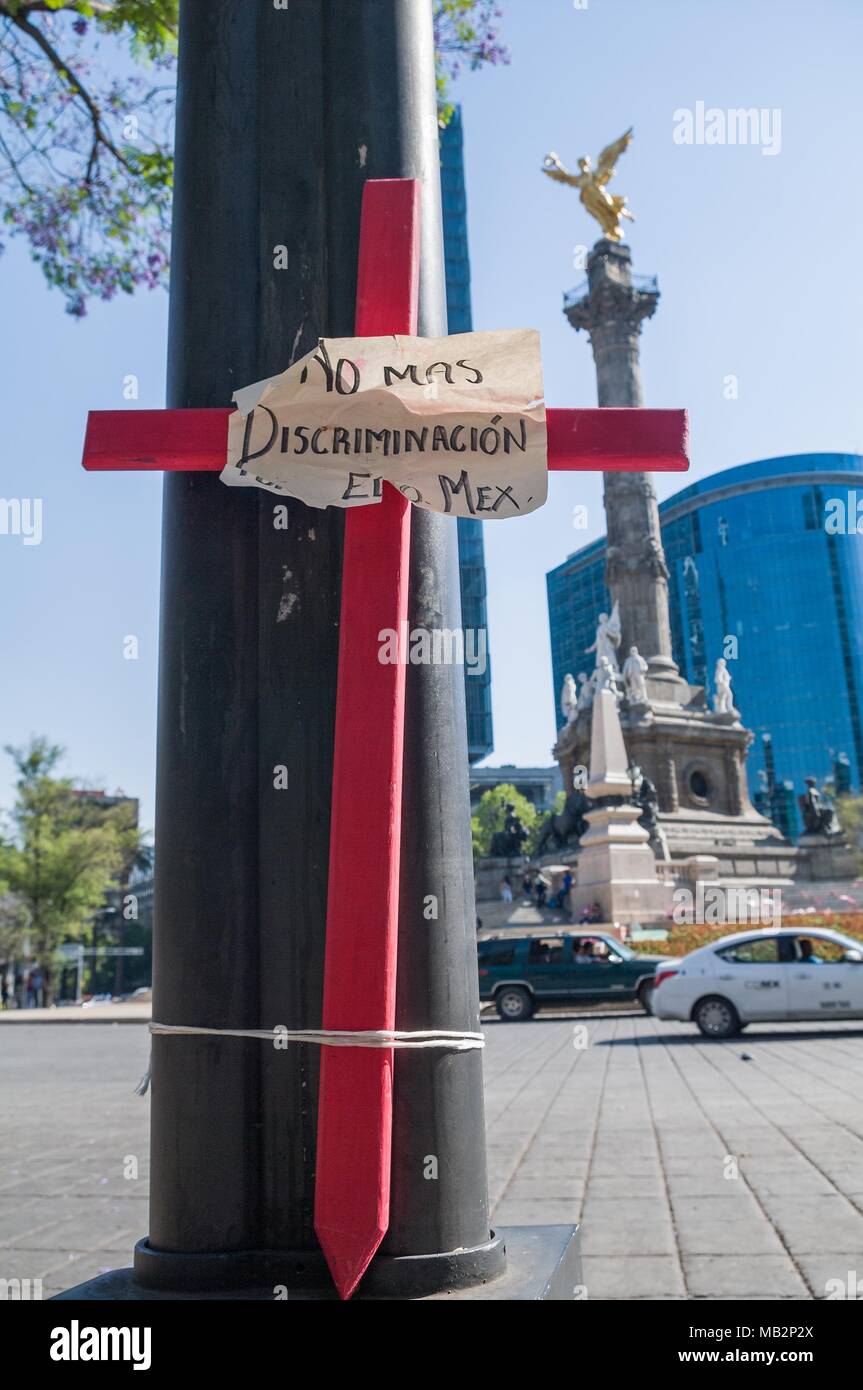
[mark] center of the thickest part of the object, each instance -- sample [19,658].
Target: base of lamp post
[518,1263]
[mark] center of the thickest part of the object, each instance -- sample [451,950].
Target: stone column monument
[612,312]
[694,757]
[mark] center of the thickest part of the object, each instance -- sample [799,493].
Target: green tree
[85,145]
[86,164]
[61,856]
[465,31]
[13,924]
[491,812]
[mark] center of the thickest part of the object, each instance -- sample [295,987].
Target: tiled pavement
[70,1124]
[697,1170]
[695,1173]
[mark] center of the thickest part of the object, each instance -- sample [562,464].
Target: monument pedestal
[696,759]
[492,870]
[616,865]
[825,858]
[617,868]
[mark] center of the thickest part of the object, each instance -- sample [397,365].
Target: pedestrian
[541,890]
[36,985]
[506,889]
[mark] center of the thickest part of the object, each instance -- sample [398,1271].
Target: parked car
[763,976]
[524,973]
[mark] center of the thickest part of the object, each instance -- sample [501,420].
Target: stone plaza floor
[697,1169]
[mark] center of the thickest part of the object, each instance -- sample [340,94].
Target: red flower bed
[689,937]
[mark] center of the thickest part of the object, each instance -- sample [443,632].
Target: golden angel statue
[591,184]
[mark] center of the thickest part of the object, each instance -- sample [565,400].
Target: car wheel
[513,1004]
[645,996]
[716,1017]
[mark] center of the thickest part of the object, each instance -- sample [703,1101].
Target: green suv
[567,965]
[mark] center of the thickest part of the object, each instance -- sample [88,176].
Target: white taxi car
[763,976]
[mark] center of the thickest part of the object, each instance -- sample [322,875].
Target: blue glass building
[756,554]
[470,540]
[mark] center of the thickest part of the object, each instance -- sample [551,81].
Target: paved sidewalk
[72,1128]
[695,1173]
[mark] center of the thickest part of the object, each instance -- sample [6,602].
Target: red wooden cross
[355,1108]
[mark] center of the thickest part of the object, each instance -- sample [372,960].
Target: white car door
[822,984]
[752,976]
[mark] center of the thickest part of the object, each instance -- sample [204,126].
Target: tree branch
[13,165]
[100,137]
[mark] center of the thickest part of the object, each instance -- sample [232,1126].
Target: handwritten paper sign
[457,424]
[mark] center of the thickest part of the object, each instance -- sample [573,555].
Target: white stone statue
[606,676]
[585,691]
[723,700]
[634,671]
[607,638]
[569,699]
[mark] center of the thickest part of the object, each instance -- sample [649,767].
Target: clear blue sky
[757,259]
